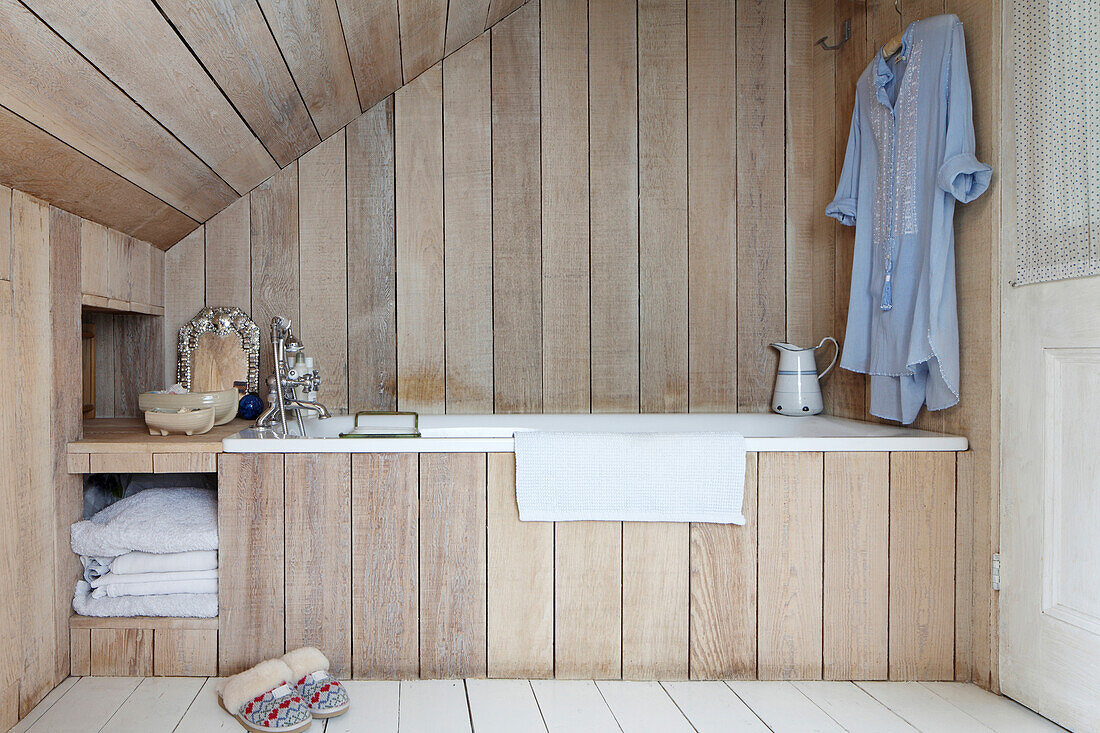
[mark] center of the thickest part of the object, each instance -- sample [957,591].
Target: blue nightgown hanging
[910,157]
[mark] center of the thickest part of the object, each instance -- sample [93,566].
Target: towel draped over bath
[638,477]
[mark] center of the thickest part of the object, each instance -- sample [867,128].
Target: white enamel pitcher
[797,391]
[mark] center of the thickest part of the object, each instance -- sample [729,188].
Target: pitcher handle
[836,354]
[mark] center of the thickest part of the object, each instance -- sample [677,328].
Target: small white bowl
[224,403]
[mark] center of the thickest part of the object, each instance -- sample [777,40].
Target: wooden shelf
[141,622]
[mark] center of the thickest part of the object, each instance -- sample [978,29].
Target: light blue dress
[910,158]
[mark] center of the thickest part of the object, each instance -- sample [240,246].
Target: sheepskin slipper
[263,700]
[325,696]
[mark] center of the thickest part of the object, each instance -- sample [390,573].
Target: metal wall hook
[847,30]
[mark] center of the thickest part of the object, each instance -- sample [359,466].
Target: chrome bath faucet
[286,379]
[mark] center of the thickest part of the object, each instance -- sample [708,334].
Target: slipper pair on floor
[284,695]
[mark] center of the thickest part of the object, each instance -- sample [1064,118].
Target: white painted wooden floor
[189,705]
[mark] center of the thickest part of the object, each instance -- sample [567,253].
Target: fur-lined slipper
[263,699]
[325,697]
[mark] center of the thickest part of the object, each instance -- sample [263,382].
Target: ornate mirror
[218,349]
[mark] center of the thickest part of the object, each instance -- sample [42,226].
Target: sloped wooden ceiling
[151,116]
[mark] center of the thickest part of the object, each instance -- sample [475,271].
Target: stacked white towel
[157,548]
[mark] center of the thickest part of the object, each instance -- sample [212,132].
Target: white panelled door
[1050,500]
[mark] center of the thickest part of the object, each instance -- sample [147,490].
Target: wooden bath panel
[416,565]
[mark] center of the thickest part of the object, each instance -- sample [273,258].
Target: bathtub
[764,432]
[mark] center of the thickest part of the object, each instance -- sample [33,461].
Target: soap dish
[188,422]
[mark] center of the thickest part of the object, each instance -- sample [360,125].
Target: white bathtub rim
[858,436]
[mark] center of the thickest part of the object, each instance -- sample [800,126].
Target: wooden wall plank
[468,227]
[977,270]
[845,396]
[418,155]
[140,363]
[43,166]
[48,83]
[31,303]
[184,297]
[520,585]
[856,586]
[723,592]
[385,566]
[136,462]
[588,601]
[140,273]
[372,286]
[663,228]
[65,416]
[465,22]
[235,45]
[311,39]
[137,49]
[120,248]
[228,263]
[712,205]
[656,599]
[811,179]
[517,218]
[760,196]
[499,9]
[185,652]
[11,554]
[122,652]
[107,340]
[566,358]
[273,234]
[317,524]
[156,277]
[80,652]
[93,258]
[251,600]
[822,228]
[423,34]
[5,233]
[922,545]
[790,565]
[323,256]
[452,565]
[374,47]
[613,202]
[185,463]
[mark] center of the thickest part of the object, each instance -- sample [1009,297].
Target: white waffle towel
[636,477]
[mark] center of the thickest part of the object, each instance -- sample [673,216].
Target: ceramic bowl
[224,403]
[188,422]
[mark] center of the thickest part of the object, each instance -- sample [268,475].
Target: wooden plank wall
[445,581]
[49,261]
[555,216]
[976,267]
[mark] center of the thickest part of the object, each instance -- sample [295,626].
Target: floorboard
[713,706]
[853,708]
[922,708]
[205,715]
[434,706]
[573,706]
[374,708]
[784,708]
[999,713]
[155,706]
[503,706]
[45,704]
[87,706]
[643,707]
